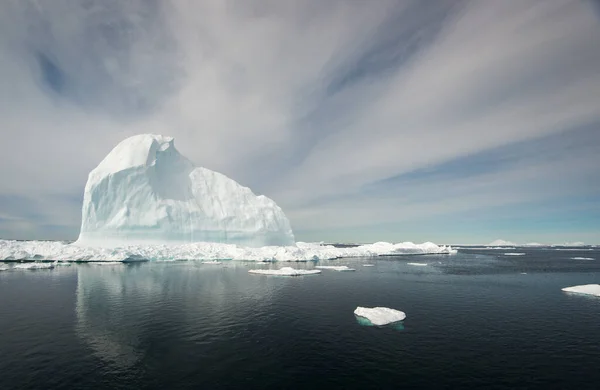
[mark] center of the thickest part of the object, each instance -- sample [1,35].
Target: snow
[285,271]
[590,289]
[501,243]
[340,268]
[205,251]
[418,264]
[514,254]
[380,315]
[34,266]
[582,258]
[145,192]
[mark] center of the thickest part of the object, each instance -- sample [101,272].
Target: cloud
[328,107]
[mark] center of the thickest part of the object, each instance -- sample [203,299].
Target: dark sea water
[479,319]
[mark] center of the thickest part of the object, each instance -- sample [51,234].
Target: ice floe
[418,264]
[368,265]
[34,266]
[589,289]
[285,271]
[380,315]
[61,251]
[582,258]
[514,254]
[341,268]
[212,262]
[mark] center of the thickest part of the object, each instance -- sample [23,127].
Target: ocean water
[478,319]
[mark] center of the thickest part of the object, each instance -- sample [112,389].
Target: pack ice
[146,192]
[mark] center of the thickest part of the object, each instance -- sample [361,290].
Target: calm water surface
[479,319]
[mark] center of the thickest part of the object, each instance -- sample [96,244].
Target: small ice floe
[63,264]
[2,268]
[285,271]
[582,258]
[262,262]
[107,263]
[368,265]
[340,268]
[589,289]
[214,262]
[35,266]
[380,315]
[514,254]
[418,264]
[523,273]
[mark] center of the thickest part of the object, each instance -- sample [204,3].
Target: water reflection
[124,312]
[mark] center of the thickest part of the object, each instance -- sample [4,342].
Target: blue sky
[447,121]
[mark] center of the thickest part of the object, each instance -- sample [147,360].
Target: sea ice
[418,264]
[582,258]
[589,289]
[212,262]
[514,254]
[35,266]
[55,250]
[285,271]
[341,268]
[368,265]
[380,315]
[3,268]
[145,192]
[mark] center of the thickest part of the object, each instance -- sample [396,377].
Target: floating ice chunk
[341,268]
[418,264]
[2,268]
[589,289]
[514,254]
[285,271]
[262,262]
[107,263]
[368,265]
[35,266]
[212,262]
[380,315]
[582,258]
[63,264]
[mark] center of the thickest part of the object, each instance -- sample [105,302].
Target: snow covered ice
[285,271]
[589,289]
[380,315]
[35,266]
[146,192]
[206,251]
[501,243]
[339,268]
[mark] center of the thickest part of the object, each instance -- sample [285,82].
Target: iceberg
[285,271]
[339,268]
[3,268]
[589,289]
[418,264]
[514,254]
[380,315]
[368,265]
[501,243]
[582,258]
[145,192]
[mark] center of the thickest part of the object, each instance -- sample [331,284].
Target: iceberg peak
[145,192]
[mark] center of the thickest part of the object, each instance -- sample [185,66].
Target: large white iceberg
[380,315]
[146,192]
[501,243]
[589,289]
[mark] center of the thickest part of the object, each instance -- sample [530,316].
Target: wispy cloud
[348,114]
